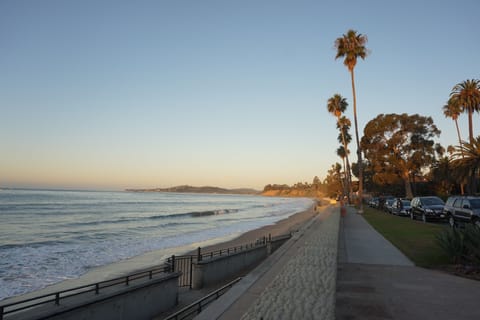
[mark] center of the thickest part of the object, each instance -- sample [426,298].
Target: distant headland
[204,189]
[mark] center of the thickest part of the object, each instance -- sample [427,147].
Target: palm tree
[352,46]
[337,105]
[344,137]
[452,110]
[467,95]
[466,160]
[343,154]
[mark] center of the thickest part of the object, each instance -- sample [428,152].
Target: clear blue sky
[116,94]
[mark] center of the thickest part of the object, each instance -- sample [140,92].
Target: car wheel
[424,218]
[451,221]
[412,216]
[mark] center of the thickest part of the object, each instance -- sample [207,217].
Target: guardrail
[57,297]
[197,306]
[184,263]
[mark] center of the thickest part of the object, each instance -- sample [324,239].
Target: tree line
[398,153]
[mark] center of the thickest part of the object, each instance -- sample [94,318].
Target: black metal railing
[196,307]
[184,263]
[96,288]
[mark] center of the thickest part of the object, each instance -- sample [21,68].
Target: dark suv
[428,208]
[463,209]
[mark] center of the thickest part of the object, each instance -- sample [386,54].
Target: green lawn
[414,238]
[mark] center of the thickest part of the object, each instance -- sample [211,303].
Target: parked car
[462,209]
[373,203]
[401,207]
[387,207]
[428,208]
[382,201]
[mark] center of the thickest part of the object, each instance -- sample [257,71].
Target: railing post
[1,312]
[199,254]
[57,298]
[127,280]
[150,274]
[97,288]
[173,264]
[191,272]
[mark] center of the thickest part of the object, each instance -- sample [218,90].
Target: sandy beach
[155,258]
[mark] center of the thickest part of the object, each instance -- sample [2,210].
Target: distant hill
[293,193]
[204,189]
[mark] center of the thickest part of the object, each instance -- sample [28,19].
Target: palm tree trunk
[472,182]
[359,151]
[462,191]
[348,175]
[470,125]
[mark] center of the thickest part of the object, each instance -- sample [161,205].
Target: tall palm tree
[452,110]
[344,137]
[469,164]
[467,95]
[343,154]
[352,46]
[337,105]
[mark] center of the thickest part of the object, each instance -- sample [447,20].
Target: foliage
[466,95]
[333,181]
[337,105]
[351,46]
[400,146]
[443,176]
[466,161]
[461,245]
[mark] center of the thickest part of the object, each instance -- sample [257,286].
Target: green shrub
[452,242]
[461,245]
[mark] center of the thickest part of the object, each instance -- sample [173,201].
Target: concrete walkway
[296,282]
[376,281]
[366,278]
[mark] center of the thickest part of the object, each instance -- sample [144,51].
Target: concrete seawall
[212,271]
[138,301]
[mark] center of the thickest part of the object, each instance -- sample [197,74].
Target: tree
[343,154]
[337,105]
[352,46]
[400,146]
[453,110]
[466,161]
[333,181]
[467,95]
[443,175]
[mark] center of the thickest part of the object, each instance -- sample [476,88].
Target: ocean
[50,236]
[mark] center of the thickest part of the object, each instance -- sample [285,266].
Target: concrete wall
[274,245]
[141,301]
[212,271]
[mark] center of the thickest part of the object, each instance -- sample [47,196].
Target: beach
[157,257]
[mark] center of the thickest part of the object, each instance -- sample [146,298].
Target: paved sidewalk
[295,282]
[375,281]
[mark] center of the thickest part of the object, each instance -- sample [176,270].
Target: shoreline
[157,257]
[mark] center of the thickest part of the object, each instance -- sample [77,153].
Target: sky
[144,94]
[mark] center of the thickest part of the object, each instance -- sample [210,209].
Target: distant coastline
[204,189]
[273,191]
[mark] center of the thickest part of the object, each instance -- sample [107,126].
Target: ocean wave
[195,214]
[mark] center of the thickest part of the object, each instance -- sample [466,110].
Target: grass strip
[414,238]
